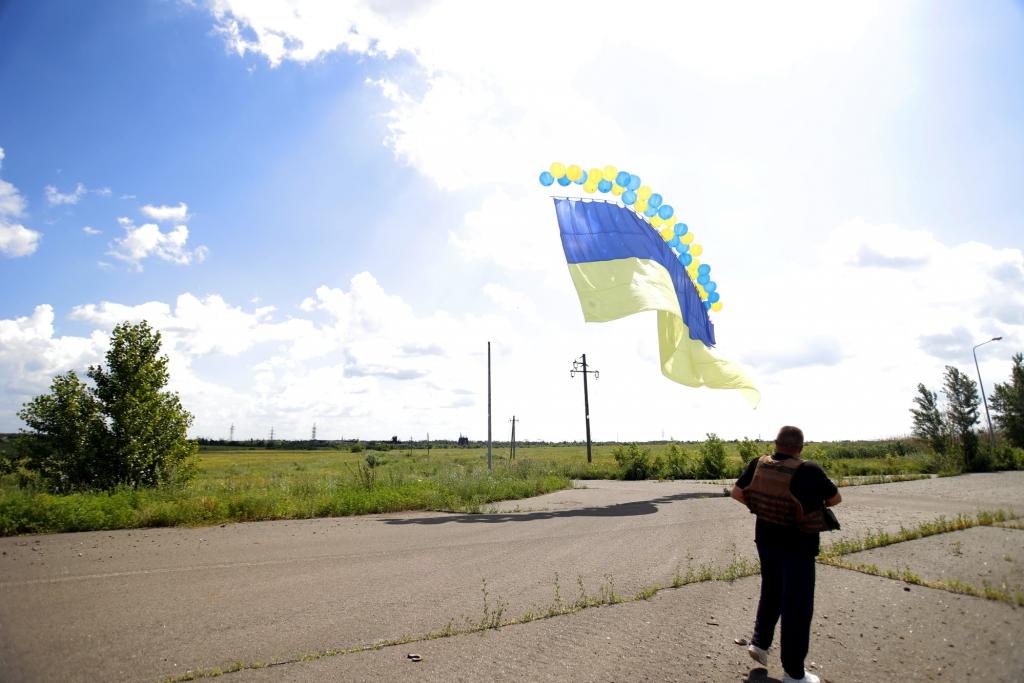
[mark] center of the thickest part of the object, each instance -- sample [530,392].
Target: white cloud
[89,230]
[104,191]
[167,214]
[17,240]
[56,198]
[148,240]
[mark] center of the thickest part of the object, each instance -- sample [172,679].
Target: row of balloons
[651,205]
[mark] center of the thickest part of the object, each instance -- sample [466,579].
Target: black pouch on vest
[830,519]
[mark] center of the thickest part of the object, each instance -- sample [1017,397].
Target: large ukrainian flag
[621,266]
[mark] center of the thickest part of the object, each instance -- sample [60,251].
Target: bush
[635,463]
[357,447]
[712,459]
[677,465]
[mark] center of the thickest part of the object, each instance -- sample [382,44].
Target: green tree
[68,432]
[962,414]
[126,430]
[928,422]
[1008,403]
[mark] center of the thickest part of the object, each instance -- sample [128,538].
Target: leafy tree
[962,413]
[68,433]
[127,430]
[928,422]
[1008,403]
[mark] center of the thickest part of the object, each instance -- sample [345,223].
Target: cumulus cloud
[148,240]
[15,239]
[167,214]
[56,198]
[89,230]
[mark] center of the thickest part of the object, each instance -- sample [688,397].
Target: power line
[581,367]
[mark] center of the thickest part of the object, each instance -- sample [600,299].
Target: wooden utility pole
[490,466]
[512,449]
[581,367]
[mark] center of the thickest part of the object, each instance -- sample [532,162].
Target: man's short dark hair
[790,438]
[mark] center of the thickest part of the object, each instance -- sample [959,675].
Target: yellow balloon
[609,173]
[594,174]
[574,172]
[666,234]
[557,170]
[643,193]
[590,187]
[696,250]
[640,205]
[656,221]
[687,238]
[617,190]
[717,306]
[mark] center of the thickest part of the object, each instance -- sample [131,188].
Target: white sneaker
[758,655]
[808,678]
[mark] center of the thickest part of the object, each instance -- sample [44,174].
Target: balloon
[711,286]
[703,278]
[634,182]
[546,178]
[687,237]
[682,229]
[628,197]
[666,234]
[707,305]
[557,169]
[714,296]
[696,250]
[683,247]
[644,192]
[582,179]
[617,190]
[717,306]
[641,205]
[666,211]
[651,211]
[681,256]
[622,179]
[604,185]
[674,242]
[705,269]
[656,221]
[564,180]
[685,259]
[655,200]
[574,172]
[609,173]
[594,174]
[590,187]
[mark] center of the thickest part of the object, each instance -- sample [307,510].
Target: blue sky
[362,212]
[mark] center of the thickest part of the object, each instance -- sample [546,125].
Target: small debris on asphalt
[740,641]
[906,588]
[414,657]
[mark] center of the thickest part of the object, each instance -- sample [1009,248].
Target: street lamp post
[974,351]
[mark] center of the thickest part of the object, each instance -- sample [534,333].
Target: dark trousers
[787,590]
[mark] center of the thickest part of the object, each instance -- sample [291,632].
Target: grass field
[249,485]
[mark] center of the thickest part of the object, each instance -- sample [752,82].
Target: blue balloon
[546,178]
[628,197]
[564,180]
[683,247]
[583,178]
[707,305]
[682,229]
[674,242]
[655,201]
[711,286]
[685,258]
[650,211]
[713,297]
[622,179]
[634,183]
[703,278]
[704,269]
[666,211]
[605,186]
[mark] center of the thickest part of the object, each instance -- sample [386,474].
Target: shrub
[712,458]
[635,463]
[677,465]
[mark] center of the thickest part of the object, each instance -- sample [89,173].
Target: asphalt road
[149,604]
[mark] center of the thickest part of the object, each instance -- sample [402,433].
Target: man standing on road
[789,496]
